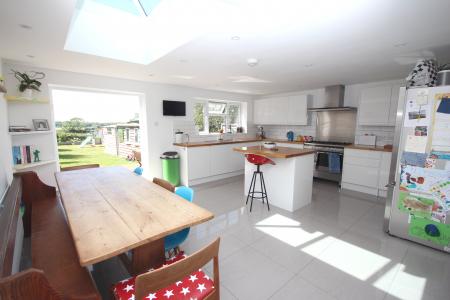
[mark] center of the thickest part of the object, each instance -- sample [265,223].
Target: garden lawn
[73,155]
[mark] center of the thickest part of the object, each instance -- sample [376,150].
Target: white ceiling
[311,47]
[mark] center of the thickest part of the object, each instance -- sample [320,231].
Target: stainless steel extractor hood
[334,100]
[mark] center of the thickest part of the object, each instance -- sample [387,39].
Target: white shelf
[30,132]
[33,165]
[18,99]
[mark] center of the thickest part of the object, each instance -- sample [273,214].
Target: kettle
[290,136]
[180,137]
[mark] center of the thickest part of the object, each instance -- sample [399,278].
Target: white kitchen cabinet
[287,110]
[209,163]
[261,111]
[385,167]
[378,105]
[394,103]
[225,160]
[279,108]
[366,171]
[298,110]
[199,162]
[374,105]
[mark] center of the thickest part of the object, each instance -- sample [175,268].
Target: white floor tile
[251,275]
[336,245]
[297,288]
[424,274]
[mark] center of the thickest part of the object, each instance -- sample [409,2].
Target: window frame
[207,114]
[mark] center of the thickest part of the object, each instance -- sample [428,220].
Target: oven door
[328,165]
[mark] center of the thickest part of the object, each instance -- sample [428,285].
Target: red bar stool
[258,160]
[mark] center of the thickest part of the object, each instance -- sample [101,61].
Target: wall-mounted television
[174,108]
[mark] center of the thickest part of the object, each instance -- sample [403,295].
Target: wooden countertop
[370,148]
[233,141]
[281,152]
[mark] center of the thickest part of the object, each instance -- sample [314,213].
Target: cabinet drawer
[362,153]
[360,175]
[362,161]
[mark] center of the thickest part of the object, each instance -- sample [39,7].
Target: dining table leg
[145,257]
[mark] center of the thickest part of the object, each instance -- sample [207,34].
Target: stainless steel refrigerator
[418,201]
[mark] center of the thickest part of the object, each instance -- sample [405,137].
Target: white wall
[385,134]
[5,145]
[159,135]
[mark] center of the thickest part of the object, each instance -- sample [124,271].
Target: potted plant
[443,76]
[28,83]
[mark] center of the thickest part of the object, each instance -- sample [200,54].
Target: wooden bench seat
[52,247]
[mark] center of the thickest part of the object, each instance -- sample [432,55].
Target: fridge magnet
[421,131]
[429,230]
[430,163]
[440,155]
[414,159]
[433,182]
[417,113]
[444,106]
[441,128]
[415,204]
[416,144]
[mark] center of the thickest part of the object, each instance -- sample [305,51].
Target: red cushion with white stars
[195,286]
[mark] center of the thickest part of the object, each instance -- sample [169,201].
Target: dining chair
[164,183]
[173,241]
[179,278]
[80,167]
[138,171]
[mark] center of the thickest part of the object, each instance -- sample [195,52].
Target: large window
[214,116]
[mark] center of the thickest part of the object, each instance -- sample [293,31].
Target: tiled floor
[334,248]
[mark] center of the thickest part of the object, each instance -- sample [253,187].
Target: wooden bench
[56,272]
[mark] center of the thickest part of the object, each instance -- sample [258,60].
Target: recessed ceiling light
[252,62]
[235,38]
[30,56]
[308,65]
[398,45]
[25,26]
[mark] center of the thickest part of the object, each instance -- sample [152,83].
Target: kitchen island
[289,182]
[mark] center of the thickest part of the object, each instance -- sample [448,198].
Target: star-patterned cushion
[195,286]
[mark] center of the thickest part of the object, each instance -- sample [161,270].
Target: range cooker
[322,158]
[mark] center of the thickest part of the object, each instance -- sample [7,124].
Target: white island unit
[289,182]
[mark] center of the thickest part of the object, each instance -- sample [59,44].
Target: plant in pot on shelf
[443,76]
[29,83]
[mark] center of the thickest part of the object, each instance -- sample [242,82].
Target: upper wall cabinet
[287,110]
[378,105]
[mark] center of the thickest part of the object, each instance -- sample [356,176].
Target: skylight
[142,31]
[135,7]
[137,31]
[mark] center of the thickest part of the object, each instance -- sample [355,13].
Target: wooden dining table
[111,211]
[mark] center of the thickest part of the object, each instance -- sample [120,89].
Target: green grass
[73,155]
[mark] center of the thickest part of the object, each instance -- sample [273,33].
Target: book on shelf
[23,154]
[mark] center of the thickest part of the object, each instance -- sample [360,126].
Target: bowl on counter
[269,145]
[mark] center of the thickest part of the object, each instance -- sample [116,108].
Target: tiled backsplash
[385,134]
